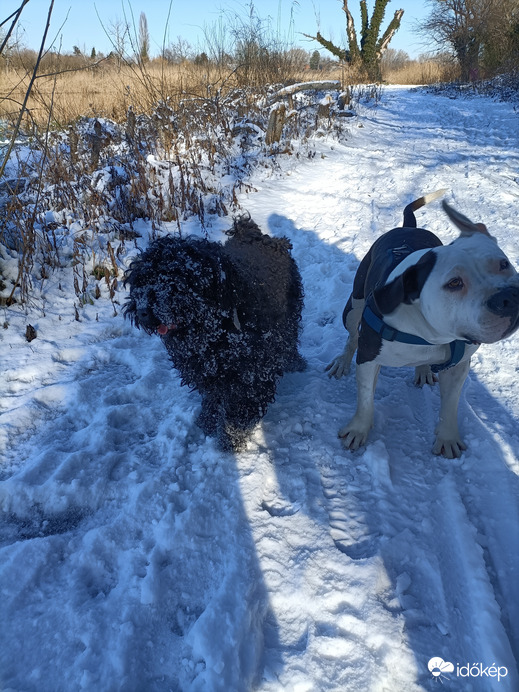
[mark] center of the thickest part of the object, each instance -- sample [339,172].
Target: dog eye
[455,284]
[504,264]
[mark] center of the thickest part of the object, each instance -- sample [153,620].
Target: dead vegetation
[76,195]
[108,90]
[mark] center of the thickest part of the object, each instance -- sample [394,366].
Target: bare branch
[389,33]
[338,52]
[72,69]
[28,93]
[15,16]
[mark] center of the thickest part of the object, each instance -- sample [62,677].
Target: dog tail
[409,218]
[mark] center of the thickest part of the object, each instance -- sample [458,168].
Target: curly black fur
[229,316]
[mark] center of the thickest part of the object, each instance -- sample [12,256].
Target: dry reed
[415,72]
[103,91]
[108,90]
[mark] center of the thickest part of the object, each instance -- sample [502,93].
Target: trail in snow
[136,556]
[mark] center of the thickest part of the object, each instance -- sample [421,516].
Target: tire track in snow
[489,489]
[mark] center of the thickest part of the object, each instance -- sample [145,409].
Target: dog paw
[424,375]
[450,449]
[338,367]
[232,438]
[353,436]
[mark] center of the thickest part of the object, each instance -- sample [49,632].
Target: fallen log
[323,85]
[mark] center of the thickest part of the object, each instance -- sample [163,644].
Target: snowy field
[135,556]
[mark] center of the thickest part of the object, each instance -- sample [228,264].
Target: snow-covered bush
[76,198]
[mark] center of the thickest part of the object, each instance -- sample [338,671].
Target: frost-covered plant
[78,197]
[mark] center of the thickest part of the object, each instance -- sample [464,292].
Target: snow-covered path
[135,556]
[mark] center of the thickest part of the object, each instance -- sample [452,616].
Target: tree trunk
[467,53]
[352,36]
[368,57]
[275,124]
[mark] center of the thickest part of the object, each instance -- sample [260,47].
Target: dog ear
[405,288]
[465,225]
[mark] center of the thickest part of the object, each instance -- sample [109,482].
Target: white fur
[439,316]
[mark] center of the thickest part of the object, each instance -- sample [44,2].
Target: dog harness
[388,333]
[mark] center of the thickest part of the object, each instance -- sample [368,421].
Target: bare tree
[260,53]
[178,52]
[118,31]
[473,29]
[299,58]
[367,53]
[501,40]
[395,59]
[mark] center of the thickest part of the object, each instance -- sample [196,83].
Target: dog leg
[424,375]
[355,432]
[295,363]
[232,438]
[340,365]
[448,441]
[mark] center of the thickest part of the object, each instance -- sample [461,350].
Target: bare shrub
[87,186]
[125,138]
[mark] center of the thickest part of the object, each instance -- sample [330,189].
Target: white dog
[417,302]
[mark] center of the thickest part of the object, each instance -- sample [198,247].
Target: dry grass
[105,91]
[108,90]
[415,72]
[78,198]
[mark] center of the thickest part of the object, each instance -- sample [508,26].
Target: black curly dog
[229,316]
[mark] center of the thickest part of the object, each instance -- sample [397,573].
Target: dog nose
[505,302]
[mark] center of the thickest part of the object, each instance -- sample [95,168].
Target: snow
[136,556]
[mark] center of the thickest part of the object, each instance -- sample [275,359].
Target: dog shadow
[150,528]
[393,498]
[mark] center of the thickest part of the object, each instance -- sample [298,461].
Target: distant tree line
[482,36]
[247,47]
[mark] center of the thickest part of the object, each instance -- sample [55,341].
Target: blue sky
[76,23]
